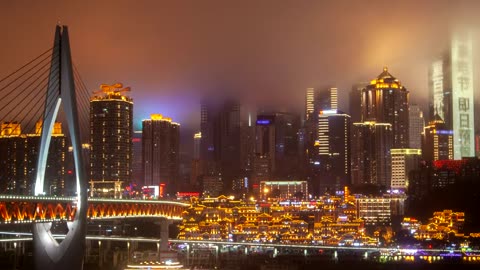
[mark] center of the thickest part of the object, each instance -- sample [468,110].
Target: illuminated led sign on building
[462,97]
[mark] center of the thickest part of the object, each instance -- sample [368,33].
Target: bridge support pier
[164,254]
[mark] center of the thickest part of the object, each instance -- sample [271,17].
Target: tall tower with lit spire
[385,100]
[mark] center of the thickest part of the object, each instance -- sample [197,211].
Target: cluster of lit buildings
[340,220]
[121,162]
[379,142]
[441,226]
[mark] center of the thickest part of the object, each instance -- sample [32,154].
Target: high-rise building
[220,144]
[355,102]
[385,100]
[277,139]
[111,155]
[451,93]
[417,124]
[404,161]
[371,144]
[247,148]
[55,173]
[13,169]
[137,165]
[196,168]
[309,103]
[265,149]
[160,148]
[197,138]
[333,150]
[437,141]
[19,155]
[326,99]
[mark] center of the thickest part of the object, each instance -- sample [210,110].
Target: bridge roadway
[26,237]
[16,209]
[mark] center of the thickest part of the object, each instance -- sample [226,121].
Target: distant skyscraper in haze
[160,148]
[137,165]
[309,103]
[111,155]
[417,124]
[276,137]
[196,170]
[197,138]
[333,151]
[326,99]
[371,144]
[452,93]
[220,144]
[385,100]
[265,150]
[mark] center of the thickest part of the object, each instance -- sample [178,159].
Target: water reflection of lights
[155,265]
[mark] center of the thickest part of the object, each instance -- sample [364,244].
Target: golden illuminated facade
[441,225]
[331,220]
[437,141]
[403,162]
[111,127]
[385,100]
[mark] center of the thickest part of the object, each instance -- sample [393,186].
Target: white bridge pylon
[48,253]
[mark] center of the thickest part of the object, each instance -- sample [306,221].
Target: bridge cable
[23,91]
[26,72]
[43,72]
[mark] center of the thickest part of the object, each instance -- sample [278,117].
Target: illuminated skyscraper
[309,103]
[111,126]
[333,150]
[437,141]
[451,93]
[403,162]
[324,99]
[417,124]
[160,148]
[385,100]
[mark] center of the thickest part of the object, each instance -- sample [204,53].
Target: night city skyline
[260,135]
[266,55]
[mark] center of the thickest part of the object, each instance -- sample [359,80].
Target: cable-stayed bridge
[35,97]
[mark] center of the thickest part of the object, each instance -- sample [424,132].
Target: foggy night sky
[172,53]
